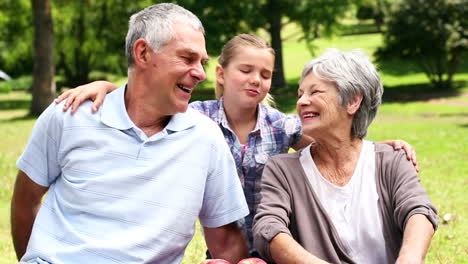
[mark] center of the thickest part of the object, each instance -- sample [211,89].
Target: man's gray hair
[154,24]
[353,74]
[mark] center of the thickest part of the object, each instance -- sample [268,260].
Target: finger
[62,96]
[97,102]
[71,97]
[397,145]
[76,103]
[414,159]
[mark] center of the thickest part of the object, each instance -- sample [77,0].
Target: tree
[224,19]
[43,91]
[431,33]
[372,9]
[311,16]
[90,37]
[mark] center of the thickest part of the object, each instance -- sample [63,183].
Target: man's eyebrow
[193,53]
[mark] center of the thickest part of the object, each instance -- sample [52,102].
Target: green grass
[436,126]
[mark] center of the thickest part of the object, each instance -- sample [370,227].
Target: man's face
[177,68]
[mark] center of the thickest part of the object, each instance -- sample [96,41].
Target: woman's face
[247,77]
[318,107]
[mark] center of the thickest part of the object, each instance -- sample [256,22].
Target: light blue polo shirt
[117,196]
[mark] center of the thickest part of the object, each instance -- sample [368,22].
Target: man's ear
[141,53]
[220,74]
[354,104]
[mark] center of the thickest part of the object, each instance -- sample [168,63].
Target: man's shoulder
[201,121]
[82,117]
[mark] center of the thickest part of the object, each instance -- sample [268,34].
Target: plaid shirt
[274,133]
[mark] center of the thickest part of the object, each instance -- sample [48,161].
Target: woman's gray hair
[353,74]
[154,24]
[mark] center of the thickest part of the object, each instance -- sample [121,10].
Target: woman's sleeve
[274,209]
[409,196]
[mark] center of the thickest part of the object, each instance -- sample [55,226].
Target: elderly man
[126,184]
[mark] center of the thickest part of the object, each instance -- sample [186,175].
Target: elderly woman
[343,198]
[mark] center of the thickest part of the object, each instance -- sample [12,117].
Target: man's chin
[182,108]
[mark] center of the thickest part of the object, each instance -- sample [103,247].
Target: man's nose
[199,72]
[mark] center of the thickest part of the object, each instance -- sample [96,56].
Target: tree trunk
[43,90]
[274,19]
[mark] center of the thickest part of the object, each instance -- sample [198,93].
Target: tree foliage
[16,37]
[431,33]
[90,34]
[372,9]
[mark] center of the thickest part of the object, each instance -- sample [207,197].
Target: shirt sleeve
[224,200]
[40,158]
[409,196]
[274,209]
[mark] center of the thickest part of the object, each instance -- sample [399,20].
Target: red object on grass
[252,261]
[215,261]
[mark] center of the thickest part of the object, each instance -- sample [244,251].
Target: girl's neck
[241,120]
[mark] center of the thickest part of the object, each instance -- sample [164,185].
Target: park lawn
[437,128]
[438,131]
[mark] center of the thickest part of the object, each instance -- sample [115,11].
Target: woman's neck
[337,157]
[241,120]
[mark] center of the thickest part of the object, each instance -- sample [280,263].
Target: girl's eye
[266,76]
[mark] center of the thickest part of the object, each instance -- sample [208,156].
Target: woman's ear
[141,53]
[220,74]
[354,104]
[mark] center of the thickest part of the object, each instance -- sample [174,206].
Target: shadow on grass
[26,117]
[286,98]
[463,125]
[419,92]
[15,104]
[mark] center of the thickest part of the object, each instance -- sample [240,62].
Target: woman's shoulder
[285,158]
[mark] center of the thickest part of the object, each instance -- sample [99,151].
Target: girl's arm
[95,91]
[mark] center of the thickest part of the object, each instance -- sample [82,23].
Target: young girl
[253,130]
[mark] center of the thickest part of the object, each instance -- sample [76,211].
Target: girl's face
[247,77]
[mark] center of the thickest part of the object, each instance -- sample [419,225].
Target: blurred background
[420,47]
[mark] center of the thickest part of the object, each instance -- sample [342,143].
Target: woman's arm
[284,249]
[416,240]
[272,237]
[96,91]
